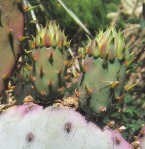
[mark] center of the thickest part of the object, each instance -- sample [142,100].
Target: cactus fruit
[31,126]
[49,69]
[11,28]
[106,59]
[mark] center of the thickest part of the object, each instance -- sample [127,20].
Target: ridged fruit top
[50,36]
[109,45]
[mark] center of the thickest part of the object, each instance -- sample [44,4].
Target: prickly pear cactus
[31,126]
[11,28]
[49,70]
[106,59]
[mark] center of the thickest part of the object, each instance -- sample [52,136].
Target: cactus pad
[106,59]
[11,28]
[48,75]
[31,126]
[49,70]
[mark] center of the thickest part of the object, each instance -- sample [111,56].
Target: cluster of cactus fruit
[44,75]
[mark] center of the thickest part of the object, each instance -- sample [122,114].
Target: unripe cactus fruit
[31,126]
[103,73]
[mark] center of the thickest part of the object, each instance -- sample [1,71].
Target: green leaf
[76,19]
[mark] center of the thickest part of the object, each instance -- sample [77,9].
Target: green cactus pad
[96,85]
[50,62]
[103,72]
[48,72]
[11,28]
